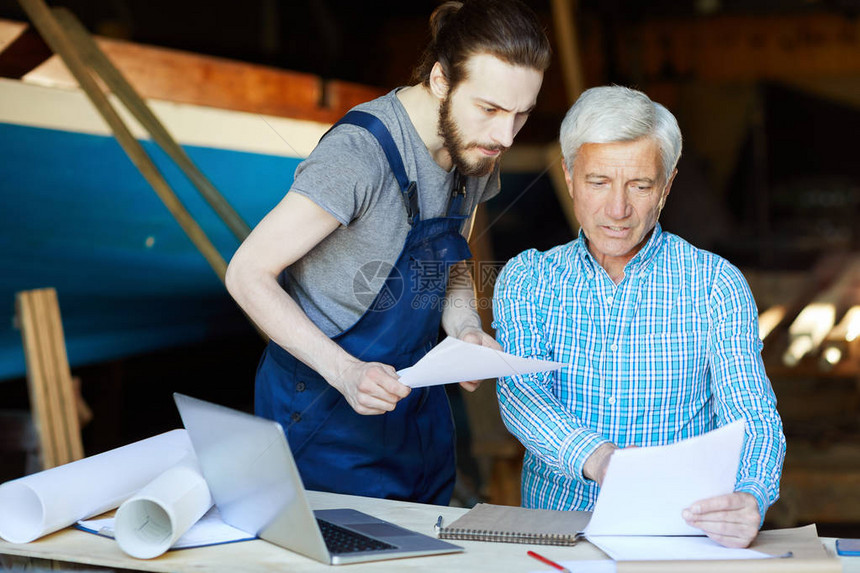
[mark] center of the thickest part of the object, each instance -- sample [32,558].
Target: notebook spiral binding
[508,536]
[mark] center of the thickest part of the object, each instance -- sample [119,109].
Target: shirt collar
[639,264]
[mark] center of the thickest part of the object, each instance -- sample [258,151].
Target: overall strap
[408,189]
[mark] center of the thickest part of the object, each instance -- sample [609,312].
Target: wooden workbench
[76,548]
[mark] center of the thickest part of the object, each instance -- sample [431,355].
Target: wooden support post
[568,47]
[571,69]
[48,377]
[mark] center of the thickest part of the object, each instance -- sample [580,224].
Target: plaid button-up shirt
[670,352]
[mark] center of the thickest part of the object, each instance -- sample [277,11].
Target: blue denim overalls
[405,454]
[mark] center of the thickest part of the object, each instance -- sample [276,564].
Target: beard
[454,142]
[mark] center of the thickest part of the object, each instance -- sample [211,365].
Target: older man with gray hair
[660,338]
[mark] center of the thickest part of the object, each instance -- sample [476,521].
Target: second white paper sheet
[646,489]
[453,360]
[656,548]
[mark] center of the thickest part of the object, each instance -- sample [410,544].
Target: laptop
[255,483]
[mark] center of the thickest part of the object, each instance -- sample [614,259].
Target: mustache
[487,146]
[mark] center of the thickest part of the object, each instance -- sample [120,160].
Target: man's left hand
[477,336]
[732,520]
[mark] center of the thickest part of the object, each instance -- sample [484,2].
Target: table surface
[71,545]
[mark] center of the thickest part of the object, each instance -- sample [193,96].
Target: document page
[646,489]
[637,515]
[209,530]
[453,360]
[651,548]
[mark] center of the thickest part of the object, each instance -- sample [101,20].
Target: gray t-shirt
[348,175]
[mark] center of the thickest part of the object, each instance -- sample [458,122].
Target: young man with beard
[349,273]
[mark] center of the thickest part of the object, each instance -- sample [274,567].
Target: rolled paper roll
[149,523]
[41,503]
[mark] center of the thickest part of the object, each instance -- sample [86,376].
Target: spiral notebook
[510,524]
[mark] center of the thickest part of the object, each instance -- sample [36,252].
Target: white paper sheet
[453,360]
[153,519]
[41,503]
[209,530]
[651,548]
[646,489]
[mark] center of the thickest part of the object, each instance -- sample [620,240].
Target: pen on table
[438,525]
[549,562]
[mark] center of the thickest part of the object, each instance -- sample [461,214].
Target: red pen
[549,562]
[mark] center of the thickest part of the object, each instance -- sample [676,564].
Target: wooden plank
[49,377]
[564,18]
[57,417]
[66,413]
[342,96]
[204,80]
[35,378]
[183,77]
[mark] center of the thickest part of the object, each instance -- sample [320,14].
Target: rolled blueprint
[149,522]
[41,503]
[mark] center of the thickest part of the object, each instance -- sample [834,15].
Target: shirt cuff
[756,489]
[575,449]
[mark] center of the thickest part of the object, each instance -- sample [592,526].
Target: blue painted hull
[76,215]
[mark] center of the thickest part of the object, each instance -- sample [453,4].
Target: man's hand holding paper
[454,360]
[732,520]
[675,491]
[481,338]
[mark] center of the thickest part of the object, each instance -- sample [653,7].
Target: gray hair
[610,114]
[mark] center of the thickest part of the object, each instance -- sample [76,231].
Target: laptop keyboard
[341,540]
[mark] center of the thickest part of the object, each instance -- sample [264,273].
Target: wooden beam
[49,377]
[183,77]
[571,68]
[564,18]
[342,96]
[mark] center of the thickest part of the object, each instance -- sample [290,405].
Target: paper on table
[41,503]
[209,530]
[150,521]
[453,360]
[656,548]
[646,489]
